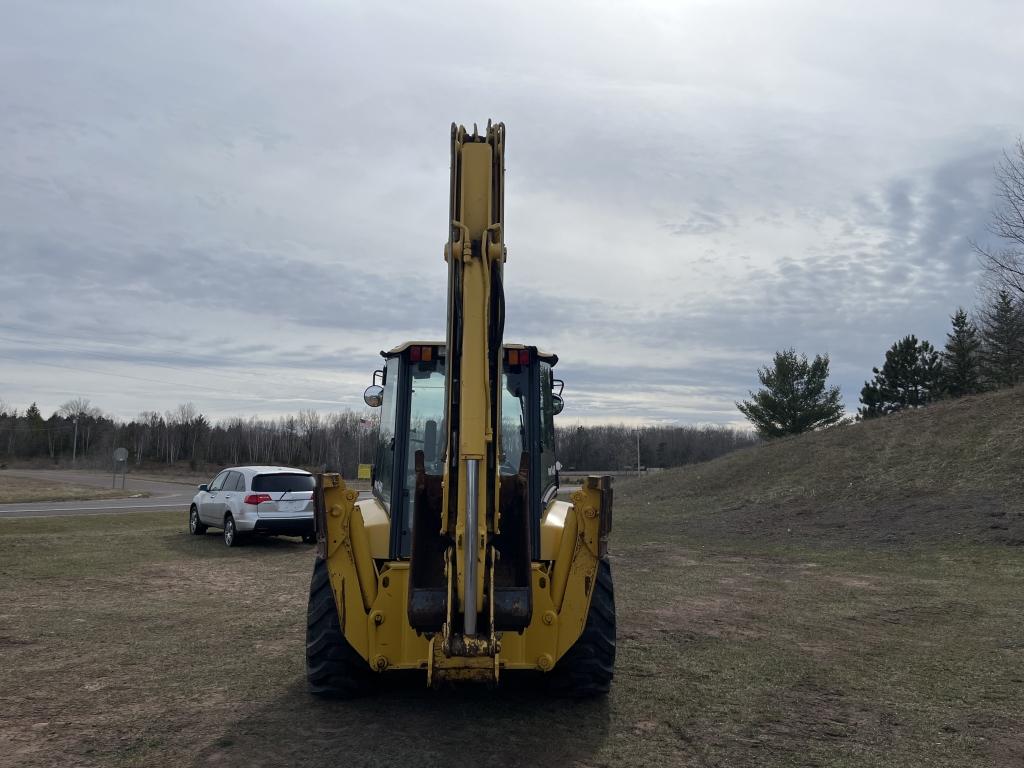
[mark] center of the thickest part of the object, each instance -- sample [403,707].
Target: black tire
[588,667]
[232,538]
[195,526]
[333,668]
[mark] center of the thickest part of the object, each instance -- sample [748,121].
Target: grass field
[764,619]
[15,489]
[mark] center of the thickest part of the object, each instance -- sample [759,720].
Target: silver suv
[243,500]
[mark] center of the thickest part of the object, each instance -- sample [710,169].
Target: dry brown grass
[126,642]
[953,471]
[15,489]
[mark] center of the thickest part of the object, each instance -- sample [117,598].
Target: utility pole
[638,451]
[360,428]
[74,447]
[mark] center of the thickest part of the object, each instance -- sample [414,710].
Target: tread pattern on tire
[333,668]
[588,667]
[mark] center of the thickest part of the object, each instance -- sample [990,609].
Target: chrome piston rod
[469,545]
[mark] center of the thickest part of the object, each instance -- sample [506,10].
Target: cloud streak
[240,205]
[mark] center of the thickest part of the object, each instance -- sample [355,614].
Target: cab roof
[548,357]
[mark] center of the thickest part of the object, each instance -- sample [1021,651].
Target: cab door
[211,507]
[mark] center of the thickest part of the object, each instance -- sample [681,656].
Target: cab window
[385,464]
[426,428]
[548,466]
[513,420]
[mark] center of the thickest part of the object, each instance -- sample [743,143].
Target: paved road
[163,495]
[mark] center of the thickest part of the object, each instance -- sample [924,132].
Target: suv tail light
[256,498]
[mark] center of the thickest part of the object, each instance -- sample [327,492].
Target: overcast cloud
[240,203]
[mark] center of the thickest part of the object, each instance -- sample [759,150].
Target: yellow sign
[364,471]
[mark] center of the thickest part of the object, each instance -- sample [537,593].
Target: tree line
[983,350]
[80,432]
[614,447]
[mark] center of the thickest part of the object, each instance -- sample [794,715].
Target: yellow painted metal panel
[551,527]
[475,206]
[378,527]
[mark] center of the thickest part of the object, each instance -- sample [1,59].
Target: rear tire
[588,667]
[195,526]
[231,535]
[333,668]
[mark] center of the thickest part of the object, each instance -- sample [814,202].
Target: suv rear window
[283,483]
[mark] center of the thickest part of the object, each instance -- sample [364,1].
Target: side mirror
[204,487]
[557,404]
[374,395]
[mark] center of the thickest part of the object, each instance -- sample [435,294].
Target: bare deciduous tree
[1004,262]
[78,407]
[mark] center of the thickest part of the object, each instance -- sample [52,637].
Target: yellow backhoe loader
[464,564]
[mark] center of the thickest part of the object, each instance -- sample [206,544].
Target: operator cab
[411,397]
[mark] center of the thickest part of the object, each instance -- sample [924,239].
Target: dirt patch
[1007,747]
[806,712]
[853,582]
[715,617]
[932,615]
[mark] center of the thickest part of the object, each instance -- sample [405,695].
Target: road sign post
[120,463]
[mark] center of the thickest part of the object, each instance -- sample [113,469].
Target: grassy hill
[844,598]
[952,471]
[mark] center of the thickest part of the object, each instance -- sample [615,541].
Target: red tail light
[256,498]
[518,357]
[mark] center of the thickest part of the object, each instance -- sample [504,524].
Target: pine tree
[36,430]
[910,378]
[1002,341]
[794,397]
[961,374]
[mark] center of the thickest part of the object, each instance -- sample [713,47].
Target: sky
[238,204]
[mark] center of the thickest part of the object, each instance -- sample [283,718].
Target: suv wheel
[195,526]
[231,537]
